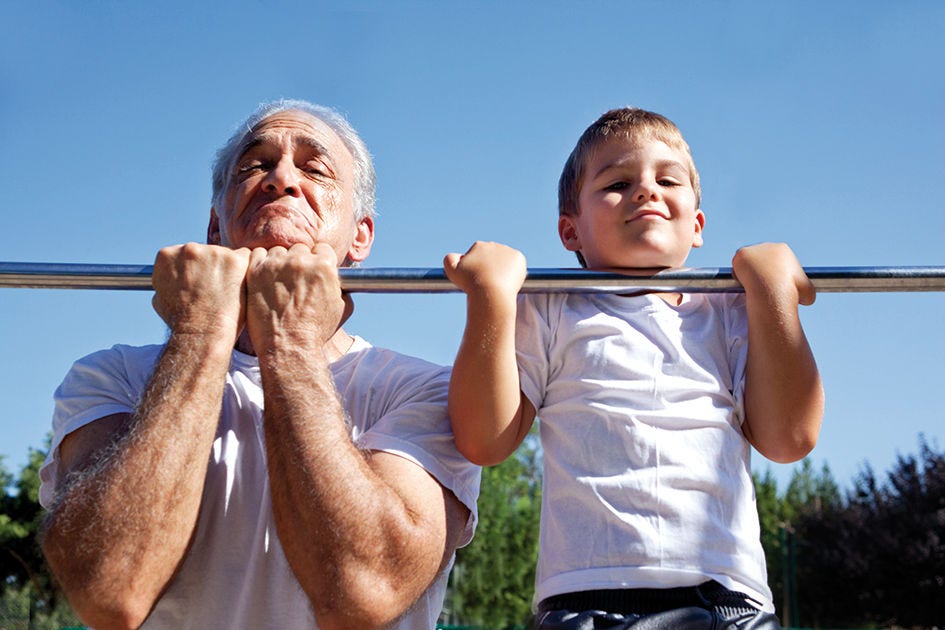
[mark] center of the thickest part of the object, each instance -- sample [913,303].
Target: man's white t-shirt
[236,574]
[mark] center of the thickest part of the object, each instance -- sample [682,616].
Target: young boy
[648,403]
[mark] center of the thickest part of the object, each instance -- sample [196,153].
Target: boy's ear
[213,228]
[567,231]
[363,239]
[699,226]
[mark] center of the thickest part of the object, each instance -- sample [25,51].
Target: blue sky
[821,124]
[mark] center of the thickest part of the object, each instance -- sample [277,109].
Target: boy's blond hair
[628,122]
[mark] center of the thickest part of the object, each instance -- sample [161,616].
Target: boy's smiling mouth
[646,214]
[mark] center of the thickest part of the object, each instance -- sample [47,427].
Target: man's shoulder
[385,368]
[121,354]
[365,353]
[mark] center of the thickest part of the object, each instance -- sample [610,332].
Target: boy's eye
[617,186]
[668,182]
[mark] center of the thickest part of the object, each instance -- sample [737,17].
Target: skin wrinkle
[364,533]
[273,147]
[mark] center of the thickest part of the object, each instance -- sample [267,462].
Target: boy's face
[637,207]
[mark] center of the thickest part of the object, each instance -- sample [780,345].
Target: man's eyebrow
[251,143]
[312,143]
[262,138]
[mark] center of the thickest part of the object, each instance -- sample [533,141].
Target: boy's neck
[673,299]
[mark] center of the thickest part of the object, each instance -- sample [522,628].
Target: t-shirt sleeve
[98,385]
[531,331]
[737,333]
[405,409]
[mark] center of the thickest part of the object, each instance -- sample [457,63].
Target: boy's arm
[784,397]
[489,414]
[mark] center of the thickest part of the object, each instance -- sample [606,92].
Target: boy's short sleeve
[531,333]
[736,324]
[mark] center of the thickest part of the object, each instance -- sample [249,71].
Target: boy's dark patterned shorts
[709,606]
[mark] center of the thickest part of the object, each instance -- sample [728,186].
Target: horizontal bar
[539,280]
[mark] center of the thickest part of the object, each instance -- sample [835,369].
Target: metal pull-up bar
[539,280]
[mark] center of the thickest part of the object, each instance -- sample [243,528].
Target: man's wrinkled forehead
[304,129]
[263,137]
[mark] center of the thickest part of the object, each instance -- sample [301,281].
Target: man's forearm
[125,516]
[361,551]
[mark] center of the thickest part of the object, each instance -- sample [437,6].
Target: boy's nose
[646,192]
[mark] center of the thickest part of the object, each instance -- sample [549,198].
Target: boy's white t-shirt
[235,574]
[647,481]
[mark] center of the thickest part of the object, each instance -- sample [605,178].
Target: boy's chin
[639,266]
[632,270]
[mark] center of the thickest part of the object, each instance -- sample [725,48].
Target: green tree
[28,593]
[808,492]
[492,584]
[771,518]
[881,555]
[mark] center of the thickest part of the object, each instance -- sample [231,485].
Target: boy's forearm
[784,398]
[485,398]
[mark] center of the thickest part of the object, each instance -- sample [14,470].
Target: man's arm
[132,484]
[365,533]
[489,413]
[784,397]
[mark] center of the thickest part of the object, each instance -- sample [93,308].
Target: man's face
[637,208]
[292,181]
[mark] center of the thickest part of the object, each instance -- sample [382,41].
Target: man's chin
[271,240]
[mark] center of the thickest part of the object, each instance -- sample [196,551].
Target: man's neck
[335,348]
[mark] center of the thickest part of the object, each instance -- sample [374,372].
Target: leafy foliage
[492,584]
[807,491]
[883,553]
[28,594]
[875,557]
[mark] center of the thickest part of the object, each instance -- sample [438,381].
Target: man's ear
[699,226]
[567,231]
[363,239]
[213,228]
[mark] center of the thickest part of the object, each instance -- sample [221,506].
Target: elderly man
[262,468]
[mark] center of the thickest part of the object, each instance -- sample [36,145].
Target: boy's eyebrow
[659,165]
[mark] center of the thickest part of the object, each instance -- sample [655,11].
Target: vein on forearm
[338,522]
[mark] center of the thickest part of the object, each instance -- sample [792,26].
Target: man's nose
[283,179]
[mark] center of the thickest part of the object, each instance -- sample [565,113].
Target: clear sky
[821,124]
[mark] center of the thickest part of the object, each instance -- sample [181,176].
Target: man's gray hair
[364,177]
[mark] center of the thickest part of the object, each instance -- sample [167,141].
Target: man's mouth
[277,208]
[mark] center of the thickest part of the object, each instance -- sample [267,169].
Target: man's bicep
[436,509]
[81,447]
